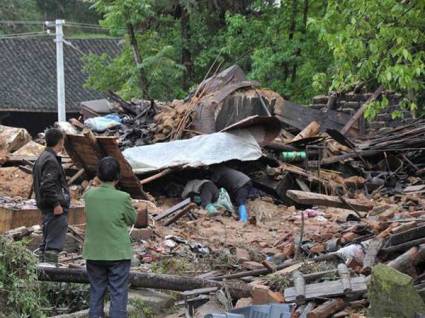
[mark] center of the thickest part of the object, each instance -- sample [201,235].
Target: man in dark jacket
[237,184]
[52,196]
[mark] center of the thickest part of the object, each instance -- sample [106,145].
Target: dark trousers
[208,193]
[242,194]
[54,232]
[111,275]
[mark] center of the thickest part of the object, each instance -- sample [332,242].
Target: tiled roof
[28,73]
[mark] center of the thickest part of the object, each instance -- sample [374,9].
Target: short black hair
[108,169]
[53,136]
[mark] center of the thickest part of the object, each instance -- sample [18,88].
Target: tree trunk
[144,280]
[137,59]
[292,27]
[298,52]
[186,56]
[293,19]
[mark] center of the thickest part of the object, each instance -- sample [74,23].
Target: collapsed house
[335,198]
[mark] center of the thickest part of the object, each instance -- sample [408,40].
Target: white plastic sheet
[198,151]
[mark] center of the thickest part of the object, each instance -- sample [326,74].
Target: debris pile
[326,202]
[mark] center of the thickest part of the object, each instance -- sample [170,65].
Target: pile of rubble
[331,202]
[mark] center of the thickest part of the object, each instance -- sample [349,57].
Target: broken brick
[242,255]
[252,265]
[263,295]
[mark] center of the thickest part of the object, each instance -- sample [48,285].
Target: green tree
[376,43]
[19,10]
[150,56]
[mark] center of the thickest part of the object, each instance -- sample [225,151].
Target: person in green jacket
[107,247]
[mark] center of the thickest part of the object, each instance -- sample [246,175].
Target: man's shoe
[51,257]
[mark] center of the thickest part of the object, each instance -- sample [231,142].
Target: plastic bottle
[290,156]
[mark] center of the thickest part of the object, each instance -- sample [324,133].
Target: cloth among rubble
[194,152]
[103,123]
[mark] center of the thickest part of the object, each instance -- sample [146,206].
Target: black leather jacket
[49,182]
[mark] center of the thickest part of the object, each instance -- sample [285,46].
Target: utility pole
[60,75]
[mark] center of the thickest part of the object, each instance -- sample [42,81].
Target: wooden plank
[11,158]
[173,209]
[327,289]
[328,308]
[86,153]
[361,110]
[312,198]
[180,214]
[128,181]
[199,291]
[12,218]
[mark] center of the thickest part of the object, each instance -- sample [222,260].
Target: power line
[20,22]
[85,27]
[23,35]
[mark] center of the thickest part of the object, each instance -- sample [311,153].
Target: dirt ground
[15,182]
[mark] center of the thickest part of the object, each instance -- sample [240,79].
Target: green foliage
[65,298]
[377,43]
[18,10]
[19,289]
[159,49]
[299,48]
[141,309]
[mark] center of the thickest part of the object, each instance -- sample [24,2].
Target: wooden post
[361,110]
[328,308]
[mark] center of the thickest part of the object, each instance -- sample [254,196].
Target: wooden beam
[173,209]
[328,289]
[94,144]
[76,176]
[361,110]
[155,176]
[312,198]
[404,246]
